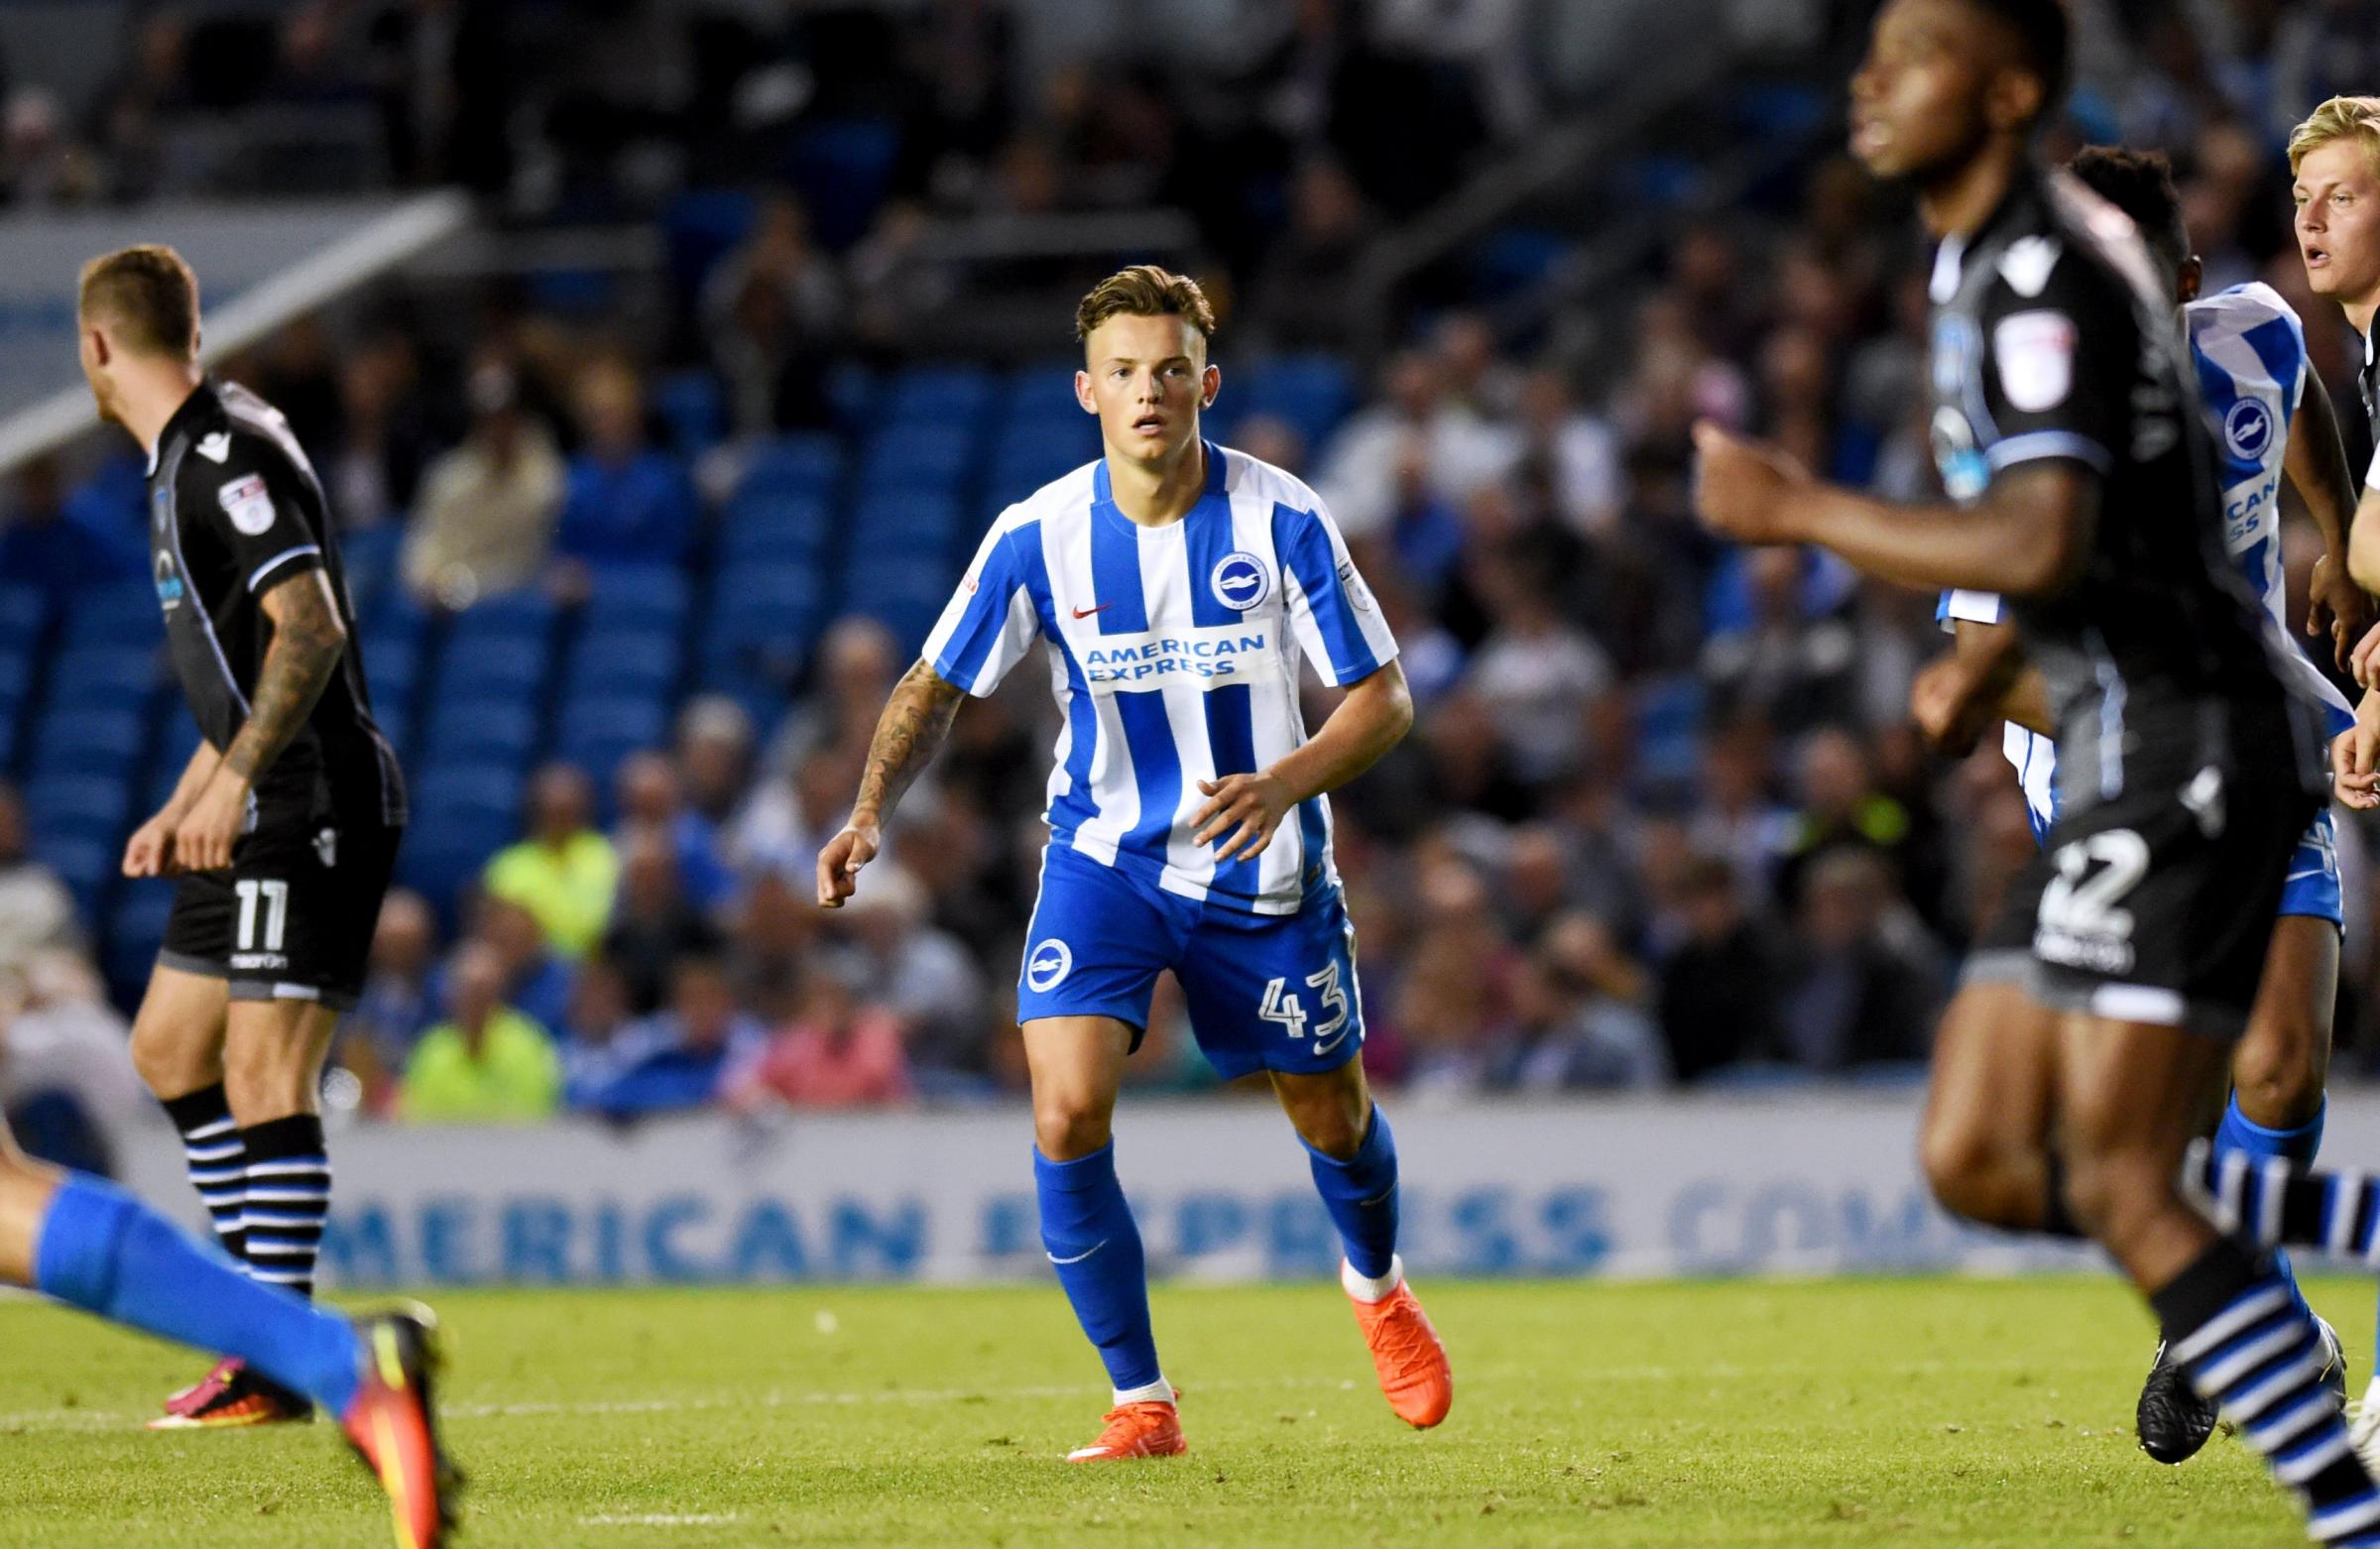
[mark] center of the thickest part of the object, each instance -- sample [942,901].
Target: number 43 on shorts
[1283,1005]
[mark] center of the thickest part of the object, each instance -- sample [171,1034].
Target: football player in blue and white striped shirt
[2270,418]
[1172,587]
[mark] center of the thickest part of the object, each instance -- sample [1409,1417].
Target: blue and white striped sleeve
[991,621]
[1334,617]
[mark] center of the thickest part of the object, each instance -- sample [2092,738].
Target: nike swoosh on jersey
[1079,1258]
[1083,613]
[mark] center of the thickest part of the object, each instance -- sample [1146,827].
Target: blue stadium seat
[950,395]
[136,926]
[1024,459]
[693,406]
[1669,716]
[759,528]
[74,739]
[24,614]
[90,806]
[392,614]
[808,463]
[852,390]
[906,599]
[1040,393]
[101,676]
[648,598]
[524,614]
[762,623]
[84,864]
[16,678]
[370,558]
[464,792]
[618,663]
[699,228]
[391,668]
[597,733]
[172,737]
[494,732]
[909,529]
[1313,392]
[462,814]
[503,671]
[918,456]
[842,168]
[117,614]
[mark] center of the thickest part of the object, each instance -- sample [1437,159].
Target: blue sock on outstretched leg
[2241,1134]
[106,1252]
[1361,1195]
[1095,1247]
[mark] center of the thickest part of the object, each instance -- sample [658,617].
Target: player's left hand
[1741,485]
[203,840]
[2333,591]
[2356,758]
[1247,807]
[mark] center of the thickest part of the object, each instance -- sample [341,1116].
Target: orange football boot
[393,1427]
[1407,1354]
[1152,1429]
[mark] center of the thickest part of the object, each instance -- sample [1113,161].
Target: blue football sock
[106,1252]
[2238,1132]
[1095,1247]
[1361,1195]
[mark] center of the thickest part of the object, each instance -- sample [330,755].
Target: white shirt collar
[1947,260]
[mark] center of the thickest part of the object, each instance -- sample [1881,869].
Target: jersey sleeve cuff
[1974,607]
[290,561]
[2041,445]
[971,684]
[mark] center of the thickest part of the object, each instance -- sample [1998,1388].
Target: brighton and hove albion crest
[1047,965]
[2248,429]
[1240,580]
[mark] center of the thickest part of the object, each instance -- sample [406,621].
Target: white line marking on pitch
[1716,1370]
[662,1519]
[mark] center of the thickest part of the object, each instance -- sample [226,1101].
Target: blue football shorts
[1266,992]
[2312,887]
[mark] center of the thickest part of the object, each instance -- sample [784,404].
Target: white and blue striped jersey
[2250,351]
[1172,652]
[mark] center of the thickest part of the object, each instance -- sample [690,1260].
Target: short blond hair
[147,295]
[1146,290]
[2341,118]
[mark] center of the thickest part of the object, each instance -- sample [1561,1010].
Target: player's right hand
[2365,659]
[150,850]
[840,862]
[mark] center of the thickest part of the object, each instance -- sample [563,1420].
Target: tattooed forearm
[307,642]
[909,734]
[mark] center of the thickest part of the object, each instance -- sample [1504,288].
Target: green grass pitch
[1906,1412]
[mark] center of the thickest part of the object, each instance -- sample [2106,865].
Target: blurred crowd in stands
[1663,819]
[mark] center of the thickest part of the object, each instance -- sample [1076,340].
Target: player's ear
[1210,382]
[2192,279]
[1082,393]
[2013,102]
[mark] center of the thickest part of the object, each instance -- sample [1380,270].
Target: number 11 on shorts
[277,912]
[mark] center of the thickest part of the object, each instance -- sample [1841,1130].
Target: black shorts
[294,916]
[2156,904]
